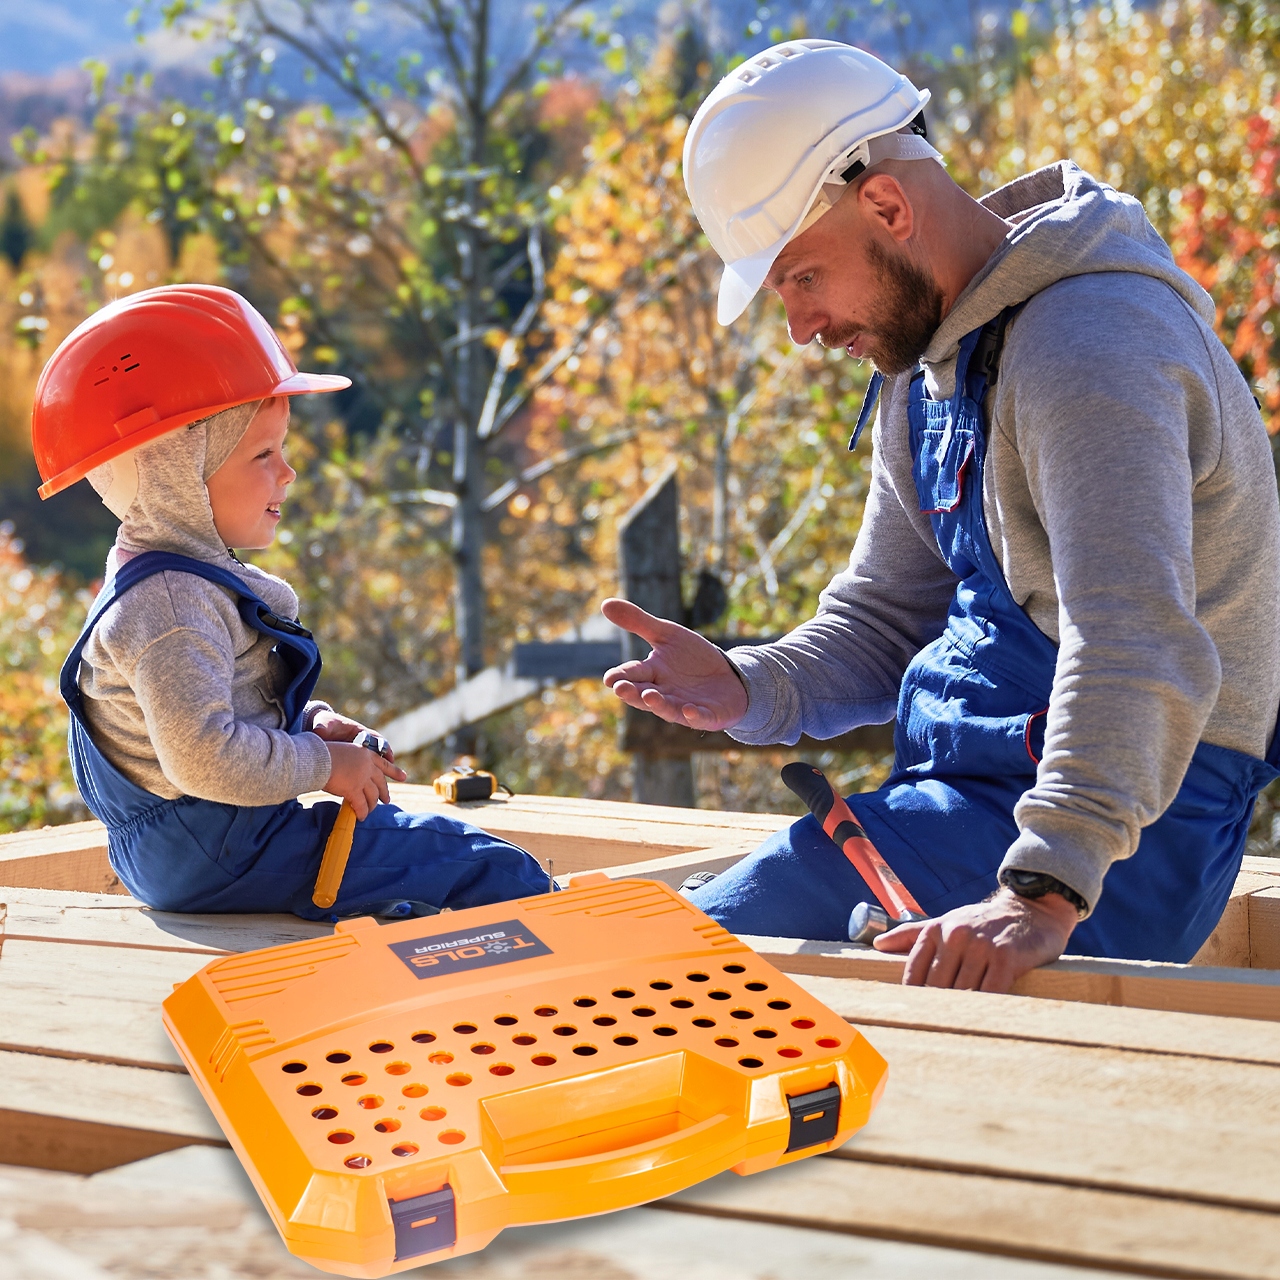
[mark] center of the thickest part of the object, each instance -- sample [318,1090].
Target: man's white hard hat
[777,139]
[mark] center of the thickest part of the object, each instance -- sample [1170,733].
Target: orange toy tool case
[399,1093]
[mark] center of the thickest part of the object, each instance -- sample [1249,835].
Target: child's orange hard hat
[151,363]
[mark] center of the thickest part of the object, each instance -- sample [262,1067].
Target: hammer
[337,849]
[834,816]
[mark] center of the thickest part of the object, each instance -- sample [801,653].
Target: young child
[192,729]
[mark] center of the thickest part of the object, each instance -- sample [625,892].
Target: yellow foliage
[39,620]
[1166,106]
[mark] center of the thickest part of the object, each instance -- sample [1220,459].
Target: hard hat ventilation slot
[129,368]
[106,376]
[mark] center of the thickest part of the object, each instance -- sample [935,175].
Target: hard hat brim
[297,384]
[742,279]
[301,384]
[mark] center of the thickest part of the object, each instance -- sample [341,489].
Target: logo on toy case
[445,953]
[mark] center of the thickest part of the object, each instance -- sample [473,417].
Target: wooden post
[649,568]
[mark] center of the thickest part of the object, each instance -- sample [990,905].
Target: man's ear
[886,205]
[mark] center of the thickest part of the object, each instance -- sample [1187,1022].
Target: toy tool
[837,820]
[399,1093]
[337,849]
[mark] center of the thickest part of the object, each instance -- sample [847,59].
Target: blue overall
[204,856]
[968,736]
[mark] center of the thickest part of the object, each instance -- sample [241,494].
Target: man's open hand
[686,679]
[986,946]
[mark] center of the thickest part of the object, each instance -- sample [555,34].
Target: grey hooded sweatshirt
[1130,497]
[181,696]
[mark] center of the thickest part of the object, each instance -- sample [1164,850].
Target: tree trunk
[468,466]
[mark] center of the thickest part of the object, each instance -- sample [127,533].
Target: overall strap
[253,609]
[984,363]
[869,402]
[980,373]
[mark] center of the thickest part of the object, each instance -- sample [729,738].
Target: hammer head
[373,742]
[867,922]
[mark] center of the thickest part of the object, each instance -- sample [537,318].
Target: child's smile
[247,491]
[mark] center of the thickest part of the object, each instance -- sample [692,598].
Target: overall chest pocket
[941,460]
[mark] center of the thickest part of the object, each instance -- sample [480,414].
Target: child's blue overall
[968,736]
[203,856]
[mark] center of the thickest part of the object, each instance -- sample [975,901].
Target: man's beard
[910,295]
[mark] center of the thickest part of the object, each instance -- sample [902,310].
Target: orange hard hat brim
[297,384]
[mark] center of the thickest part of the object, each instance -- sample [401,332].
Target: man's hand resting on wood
[686,679]
[986,946]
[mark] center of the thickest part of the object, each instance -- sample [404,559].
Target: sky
[40,37]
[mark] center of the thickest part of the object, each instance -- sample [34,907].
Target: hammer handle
[812,786]
[333,864]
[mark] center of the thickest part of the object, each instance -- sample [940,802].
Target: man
[1065,579]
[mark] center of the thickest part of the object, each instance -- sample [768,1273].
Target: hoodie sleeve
[1114,416]
[202,748]
[168,666]
[843,668]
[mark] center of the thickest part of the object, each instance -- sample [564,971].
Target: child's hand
[360,776]
[332,727]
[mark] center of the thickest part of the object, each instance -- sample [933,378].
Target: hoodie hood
[158,491]
[1065,223]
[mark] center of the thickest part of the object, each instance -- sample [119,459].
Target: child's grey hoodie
[180,695]
[1130,497]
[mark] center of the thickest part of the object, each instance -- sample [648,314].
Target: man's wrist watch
[1035,884]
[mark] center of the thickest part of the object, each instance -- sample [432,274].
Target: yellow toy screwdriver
[337,849]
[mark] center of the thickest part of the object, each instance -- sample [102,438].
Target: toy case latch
[424,1223]
[815,1117]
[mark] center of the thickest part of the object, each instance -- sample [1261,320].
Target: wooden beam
[1155,1124]
[86,1116]
[655,737]
[90,1002]
[485,694]
[42,915]
[982,1014]
[1236,993]
[1017,1218]
[73,857]
[1264,928]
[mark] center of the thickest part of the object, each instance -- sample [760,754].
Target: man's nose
[804,323]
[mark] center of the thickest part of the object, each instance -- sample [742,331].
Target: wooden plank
[1097,1117]
[35,915]
[1236,993]
[578,835]
[1229,944]
[675,868]
[188,1186]
[90,1002]
[86,1116]
[68,857]
[1139,1234]
[191,1212]
[1264,929]
[979,1013]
